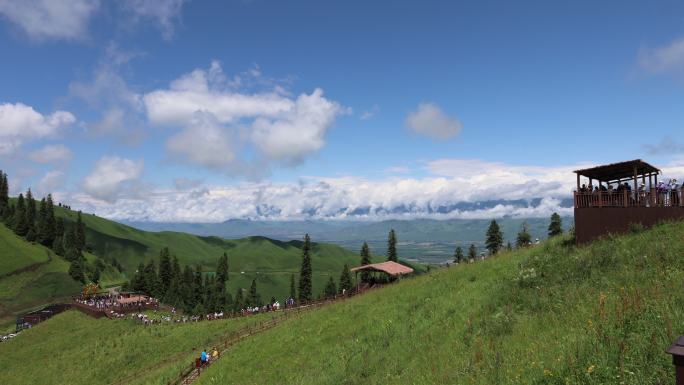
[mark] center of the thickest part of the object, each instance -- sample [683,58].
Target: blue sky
[203,110]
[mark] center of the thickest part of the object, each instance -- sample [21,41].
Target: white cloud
[20,123]
[667,58]
[108,95]
[272,123]
[54,153]
[429,120]
[298,132]
[53,19]
[164,12]
[204,142]
[51,181]
[112,177]
[366,115]
[455,189]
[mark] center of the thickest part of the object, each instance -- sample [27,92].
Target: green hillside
[553,314]
[268,261]
[32,275]
[73,348]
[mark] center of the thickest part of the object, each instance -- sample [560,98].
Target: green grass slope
[32,275]
[72,348]
[17,254]
[552,314]
[270,262]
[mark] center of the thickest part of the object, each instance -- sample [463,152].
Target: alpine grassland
[72,348]
[554,313]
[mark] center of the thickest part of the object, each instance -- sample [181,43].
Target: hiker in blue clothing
[204,357]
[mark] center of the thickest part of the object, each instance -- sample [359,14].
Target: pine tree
[524,238]
[79,233]
[197,286]
[42,223]
[305,287]
[50,222]
[509,247]
[458,255]
[152,284]
[239,302]
[345,280]
[4,194]
[254,297]
[494,238]
[187,288]
[392,246]
[472,252]
[330,288]
[95,277]
[21,226]
[31,212]
[76,270]
[293,294]
[58,242]
[556,225]
[165,271]
[222,269]
[365,260]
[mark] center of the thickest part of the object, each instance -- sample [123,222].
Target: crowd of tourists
[117,301]
[662,194]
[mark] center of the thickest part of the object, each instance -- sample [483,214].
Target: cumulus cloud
[164,12]
[454,189]
[20,123]
[51,181]
[50,19]
[663,59]
[275,125]
[204,142]
[53,153]
[429,120]
[112,177]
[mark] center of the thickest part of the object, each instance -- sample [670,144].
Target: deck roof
[616,171]
[389,267]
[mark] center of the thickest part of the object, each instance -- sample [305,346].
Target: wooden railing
[653,198]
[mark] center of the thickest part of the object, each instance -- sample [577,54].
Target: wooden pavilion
[619,195]
[389,270]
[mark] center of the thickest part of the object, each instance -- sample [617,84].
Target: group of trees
[305,286]
[494,239]
[187,288]
[36,222]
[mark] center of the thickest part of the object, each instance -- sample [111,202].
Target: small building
[387,271]
[616,196]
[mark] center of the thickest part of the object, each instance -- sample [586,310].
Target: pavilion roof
[389,267]
[615,171]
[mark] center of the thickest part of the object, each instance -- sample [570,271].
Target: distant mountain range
[426,240]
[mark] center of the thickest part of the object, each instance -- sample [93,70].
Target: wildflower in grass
[548,373]
[590,369]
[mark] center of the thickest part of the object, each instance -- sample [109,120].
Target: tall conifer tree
[21,226]
[556,225]
[365,260]
[345,280]
[392,246]
[494,240]
[472,252]
[458,255]
[305,287]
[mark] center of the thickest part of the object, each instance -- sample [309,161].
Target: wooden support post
[578,182]
[677,352]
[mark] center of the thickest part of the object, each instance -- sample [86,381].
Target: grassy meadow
[72,348]
[552,314]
